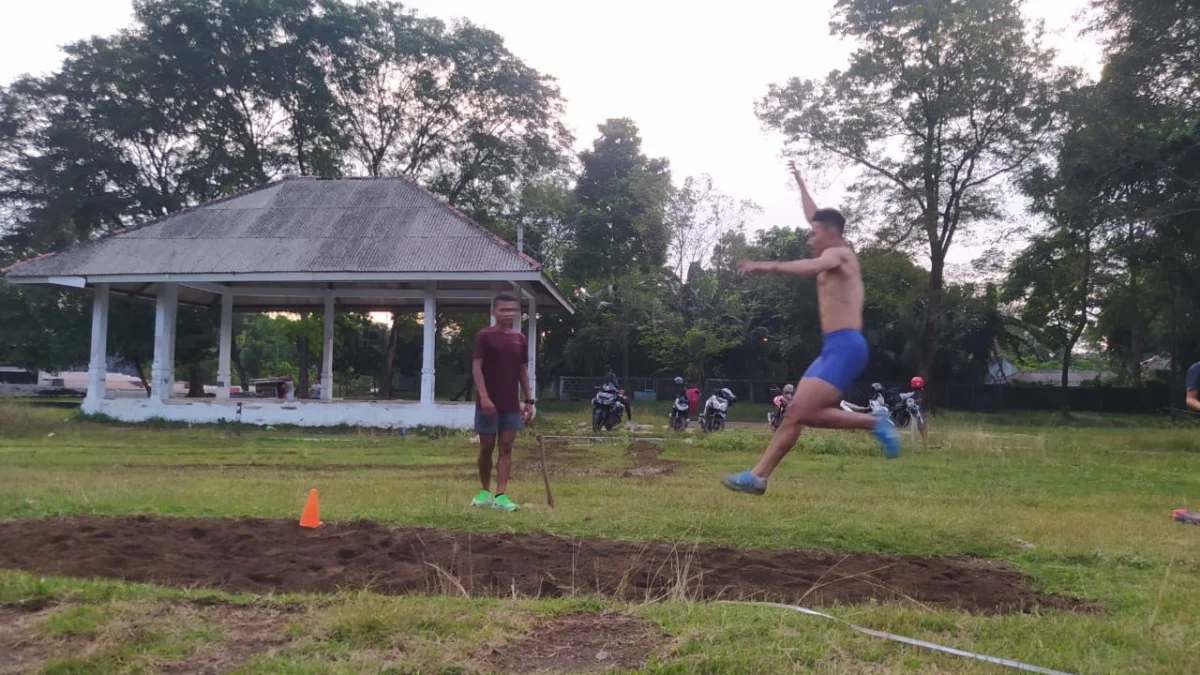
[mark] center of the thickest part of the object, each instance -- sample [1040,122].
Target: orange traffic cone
[310,517]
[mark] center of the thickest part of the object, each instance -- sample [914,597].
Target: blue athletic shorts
[843,358]
[505,421]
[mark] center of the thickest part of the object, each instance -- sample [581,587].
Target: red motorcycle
[781,401]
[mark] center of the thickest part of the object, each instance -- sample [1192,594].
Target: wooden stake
[545,476]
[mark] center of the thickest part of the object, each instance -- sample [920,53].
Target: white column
[532,339]
[492,312]
[225,352]
[162,377]
[98,365]
[327,353]
[173,324]
[430,344]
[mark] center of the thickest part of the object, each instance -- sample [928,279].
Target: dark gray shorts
[505,421]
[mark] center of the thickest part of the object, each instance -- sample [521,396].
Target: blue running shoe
[888,437]
[745,482]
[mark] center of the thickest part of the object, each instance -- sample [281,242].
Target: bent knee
[801,414]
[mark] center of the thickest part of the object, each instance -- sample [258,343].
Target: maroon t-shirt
[503,353]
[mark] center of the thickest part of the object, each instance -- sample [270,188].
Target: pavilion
[299,244]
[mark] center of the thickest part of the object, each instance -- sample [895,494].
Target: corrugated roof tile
[297,225]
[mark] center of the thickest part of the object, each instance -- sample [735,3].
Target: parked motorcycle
[775,415]
[716,410]
[677,419]
[901,409]
[607,408]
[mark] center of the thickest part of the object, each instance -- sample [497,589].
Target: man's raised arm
[810,206]
[809,267]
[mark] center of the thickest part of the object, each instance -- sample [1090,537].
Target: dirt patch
[649,469]
[18,652]
[643,451]
[581,642]
[245,630]
[258,555]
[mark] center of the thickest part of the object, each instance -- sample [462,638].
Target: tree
[621,197]
[710,324]
[1054,279]
[43,328]
[697,215]
[1146,105]
[942,101]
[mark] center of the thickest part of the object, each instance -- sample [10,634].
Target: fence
[988,398]
[970,397]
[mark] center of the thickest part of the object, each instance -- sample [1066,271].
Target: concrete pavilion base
[304,413]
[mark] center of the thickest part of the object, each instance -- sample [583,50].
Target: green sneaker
[484,498]
[504,503]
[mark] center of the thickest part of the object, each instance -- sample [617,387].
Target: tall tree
[942,100]
[621,197]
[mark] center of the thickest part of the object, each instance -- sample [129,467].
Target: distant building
[1156,366]
[1002,371]
[999,371]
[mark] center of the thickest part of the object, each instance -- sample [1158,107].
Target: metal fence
[994,397]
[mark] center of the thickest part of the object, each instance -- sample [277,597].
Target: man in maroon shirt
[500,366]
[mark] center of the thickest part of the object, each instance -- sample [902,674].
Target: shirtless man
[843,356]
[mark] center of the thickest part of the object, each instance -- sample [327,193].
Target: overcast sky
[689,78]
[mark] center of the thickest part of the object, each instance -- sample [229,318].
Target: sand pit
[258,555]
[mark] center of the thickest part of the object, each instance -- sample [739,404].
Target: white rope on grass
[907,640]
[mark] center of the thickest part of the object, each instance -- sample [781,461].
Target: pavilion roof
[298,230]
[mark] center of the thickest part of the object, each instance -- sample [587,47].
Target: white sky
[689,78]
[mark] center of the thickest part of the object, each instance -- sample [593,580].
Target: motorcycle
[901,409]
[781,401]
[607,408]
[678,419]
[716,409]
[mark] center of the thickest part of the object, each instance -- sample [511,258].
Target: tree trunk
[141,371]
[195,382]
[1081,322]
[1066,381]
[466,390]
[931,330]
[1138,345]
[625,357]
[389,357]
[1138,340]
[1173,291]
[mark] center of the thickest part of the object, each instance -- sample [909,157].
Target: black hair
[504,297]
[831,217]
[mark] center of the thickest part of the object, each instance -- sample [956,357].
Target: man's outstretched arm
[810,206]
[809,267]
[1193,399]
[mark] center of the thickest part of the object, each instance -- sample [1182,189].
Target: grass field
[1081,507]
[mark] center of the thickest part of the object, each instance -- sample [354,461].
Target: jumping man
[499,366]
[843,356]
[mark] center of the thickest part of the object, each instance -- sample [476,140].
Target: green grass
[1082,507]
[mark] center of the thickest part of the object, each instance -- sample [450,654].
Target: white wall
[381,414]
